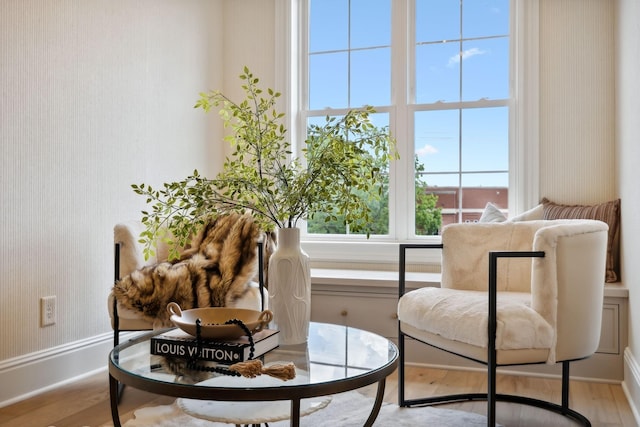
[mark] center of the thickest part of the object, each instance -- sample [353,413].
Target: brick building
[468,202]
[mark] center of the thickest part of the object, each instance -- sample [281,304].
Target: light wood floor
[86,402]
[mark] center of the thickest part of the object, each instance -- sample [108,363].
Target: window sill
[368,251]
[371,280]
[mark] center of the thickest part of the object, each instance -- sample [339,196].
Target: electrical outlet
[47,311]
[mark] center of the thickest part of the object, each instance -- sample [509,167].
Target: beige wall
[94,95]
[248,41]
[577,95]
[628,155]
[628,130]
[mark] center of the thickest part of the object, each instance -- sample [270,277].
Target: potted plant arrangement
[338,174]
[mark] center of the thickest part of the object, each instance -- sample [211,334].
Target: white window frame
[523,125]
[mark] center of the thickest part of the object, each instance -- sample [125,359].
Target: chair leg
[491,393]
[491,397]
[565,385]
[401,349]
[116,341]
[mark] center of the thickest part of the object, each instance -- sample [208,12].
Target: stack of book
[177,343]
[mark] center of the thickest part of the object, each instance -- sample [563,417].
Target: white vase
[290,288]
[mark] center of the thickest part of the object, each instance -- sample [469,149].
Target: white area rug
[345,410]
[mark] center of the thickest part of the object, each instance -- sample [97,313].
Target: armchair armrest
[402,268]
[493,293]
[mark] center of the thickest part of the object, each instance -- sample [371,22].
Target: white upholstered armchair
[512,293]
[129,257]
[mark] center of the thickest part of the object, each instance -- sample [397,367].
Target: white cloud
[465,54]
[426,150]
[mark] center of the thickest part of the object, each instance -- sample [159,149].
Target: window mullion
[460,146]
[401,200]
[524,156]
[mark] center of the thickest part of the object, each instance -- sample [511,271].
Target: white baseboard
[631,383]
[38,372]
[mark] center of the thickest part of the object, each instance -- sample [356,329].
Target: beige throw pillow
[532,214]
[608,212]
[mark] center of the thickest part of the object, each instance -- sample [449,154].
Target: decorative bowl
[213,321]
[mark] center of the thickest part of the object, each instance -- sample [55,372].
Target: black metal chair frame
[116,319]
[491,397]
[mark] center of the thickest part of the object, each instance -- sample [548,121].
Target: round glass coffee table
[335,359]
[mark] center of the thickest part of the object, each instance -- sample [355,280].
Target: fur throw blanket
[215,271]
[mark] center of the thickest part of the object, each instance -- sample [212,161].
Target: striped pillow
[608,212]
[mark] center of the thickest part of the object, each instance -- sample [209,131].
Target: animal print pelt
[214,272]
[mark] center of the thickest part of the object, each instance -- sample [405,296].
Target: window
[460,106]
[440,74]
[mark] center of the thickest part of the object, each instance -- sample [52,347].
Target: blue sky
[448,69]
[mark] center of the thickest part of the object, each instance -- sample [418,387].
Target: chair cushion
[465,256]
[128,319]
[479,354]
[463,316]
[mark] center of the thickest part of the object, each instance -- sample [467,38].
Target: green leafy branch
[340,172]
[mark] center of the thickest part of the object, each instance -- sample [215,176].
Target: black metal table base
[295,406]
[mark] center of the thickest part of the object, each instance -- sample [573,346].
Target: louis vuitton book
[177,343]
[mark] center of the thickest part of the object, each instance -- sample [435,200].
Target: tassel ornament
[254,368]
